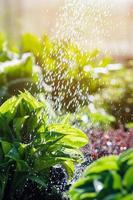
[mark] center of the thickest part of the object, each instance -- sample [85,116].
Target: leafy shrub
[117,97]
[17,72]
[70,71]
[75,76]
[29,146]
[108,178]
[108,142]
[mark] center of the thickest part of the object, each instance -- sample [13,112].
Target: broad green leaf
[124,157]
[73,136]
[102,164]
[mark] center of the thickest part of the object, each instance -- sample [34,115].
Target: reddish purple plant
[108,142]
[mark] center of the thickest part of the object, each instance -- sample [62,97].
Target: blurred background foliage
[94,86]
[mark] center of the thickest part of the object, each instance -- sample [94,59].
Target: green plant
[7,50]
[109,178]
[89,117]
[17,74]
[76,75]
[117,97]
[17,71]
[72,73]
[29,146]
[76,78]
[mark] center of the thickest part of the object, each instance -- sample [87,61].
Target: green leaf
[73,136]
[18,124]
[6,146]
[31,43]
[128,181]
[15,155]
[9,108]
[102,164]
[83,188]
[69,166]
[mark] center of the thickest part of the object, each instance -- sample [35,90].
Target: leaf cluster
[108,178]
[29,146]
